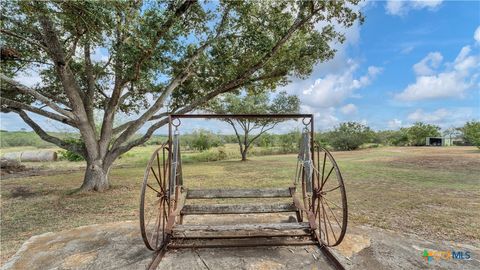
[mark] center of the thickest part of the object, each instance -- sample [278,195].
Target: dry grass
[432,192]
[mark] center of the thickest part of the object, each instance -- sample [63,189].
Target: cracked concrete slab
[119,246]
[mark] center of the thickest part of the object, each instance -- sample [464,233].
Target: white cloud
[427,65]
[401,8]
[333,89]
[432,117]
[394,123]
[349,109]
[444,117]
[476,36]
[325,118]
[454,81]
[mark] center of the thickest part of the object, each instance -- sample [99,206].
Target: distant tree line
[345,136]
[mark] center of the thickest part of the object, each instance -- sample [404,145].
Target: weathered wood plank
[244,227]
[237,208]
[238,193]
[241,230]
[242,242]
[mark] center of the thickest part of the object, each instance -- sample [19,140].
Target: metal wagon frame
[163,190]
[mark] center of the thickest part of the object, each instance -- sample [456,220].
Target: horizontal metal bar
[242,116]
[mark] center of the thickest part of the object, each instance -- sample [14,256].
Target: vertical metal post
[312,148]
[169,154]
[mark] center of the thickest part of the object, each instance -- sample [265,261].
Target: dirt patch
[460,162]
[21,192]
[8,167]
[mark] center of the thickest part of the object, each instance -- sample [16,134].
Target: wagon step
[200,209]
[241,230]
[242,242]
[238,193]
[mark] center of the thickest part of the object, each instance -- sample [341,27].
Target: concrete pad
[119,246]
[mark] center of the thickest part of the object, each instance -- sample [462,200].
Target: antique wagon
[317,200]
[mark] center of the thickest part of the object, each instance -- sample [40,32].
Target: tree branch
[28,91]
[262,131]
[242,78]
[46,137]
[69,83]
[12,104]
[236,134]
[229,86]
[28,40]
[162,30]
[133,127]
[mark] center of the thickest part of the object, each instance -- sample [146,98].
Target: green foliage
[391,137]
[69,155]
[266,140]
[28,138]
[349,136]
[290,142]
[201,140]
[471,132]
[21,138]
[253,102]
[418,133]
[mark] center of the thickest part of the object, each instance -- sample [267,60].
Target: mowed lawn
[428,191]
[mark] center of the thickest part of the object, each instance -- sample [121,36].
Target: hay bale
[12,156]
[32,156]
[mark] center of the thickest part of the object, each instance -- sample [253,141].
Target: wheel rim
[329,203]
[154,200]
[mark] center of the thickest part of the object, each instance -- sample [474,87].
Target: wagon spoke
[319,218]
[325,223]
[326,178]
[157,221]
[153,208]
[156,177]
[323,167]
[330,224]
[148,185]
[334,216]
[326,191]
[331,202]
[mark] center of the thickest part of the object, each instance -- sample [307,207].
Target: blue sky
[410,61]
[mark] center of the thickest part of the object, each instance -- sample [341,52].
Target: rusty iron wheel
[329,200]
[154,200]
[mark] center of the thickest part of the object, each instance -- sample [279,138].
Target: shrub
[289,143]
[349,136]
[202,140]
[418,133]
[471,133]
[70,155]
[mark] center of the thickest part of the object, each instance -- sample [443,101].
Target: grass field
[431,192]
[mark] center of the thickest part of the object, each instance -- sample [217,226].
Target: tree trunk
[244,155]
[96,176]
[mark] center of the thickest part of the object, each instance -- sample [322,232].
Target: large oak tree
[158,57]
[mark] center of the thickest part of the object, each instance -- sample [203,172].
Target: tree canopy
[150,58]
